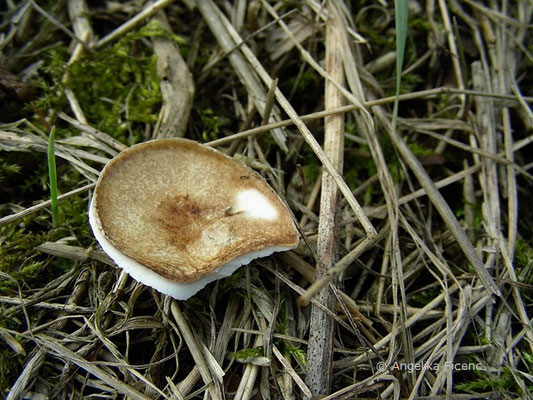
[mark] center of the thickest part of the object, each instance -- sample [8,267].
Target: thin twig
[30,210]
[131,23]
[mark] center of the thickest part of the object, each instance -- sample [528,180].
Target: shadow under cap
[184,210]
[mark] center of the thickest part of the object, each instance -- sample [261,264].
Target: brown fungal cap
[183,209]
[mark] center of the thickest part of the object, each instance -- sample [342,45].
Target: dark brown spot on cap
[182,219]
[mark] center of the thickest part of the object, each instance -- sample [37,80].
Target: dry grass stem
[196,351]
[42,205]
[102,136]
[131,23]
[320,349]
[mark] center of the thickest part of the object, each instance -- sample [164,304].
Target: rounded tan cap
[183,210]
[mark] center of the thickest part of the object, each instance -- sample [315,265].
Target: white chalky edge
[250,202]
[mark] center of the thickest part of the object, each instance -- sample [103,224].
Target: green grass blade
[52,177]
[401,8]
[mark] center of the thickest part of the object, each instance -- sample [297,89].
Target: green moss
[210,124]
[420,24]
[124,90]
[422,298]
[351,127]
[245,354]
[10,366]
[50,80]
[523,262]
[523,258]
[478,213]
[8,169]
[117,87]
[16,260]
[378,39]
[286,347]
[27,180]
[311,172]
[297,353]
[231,284]
[410,82]
[303,81]
[357,169]
[310,165]
[21,265]
[505,381]
[282,325]
[419,150]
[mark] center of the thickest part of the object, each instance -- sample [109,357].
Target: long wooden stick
[298,123]
[321,330]
[374,103]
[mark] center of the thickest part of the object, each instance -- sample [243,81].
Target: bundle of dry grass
[413,275]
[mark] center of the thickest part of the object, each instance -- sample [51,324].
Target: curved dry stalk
[176,85]
[194,348]
[454,53]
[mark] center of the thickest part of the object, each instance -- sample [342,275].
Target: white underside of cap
[255,205]
[177,290]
